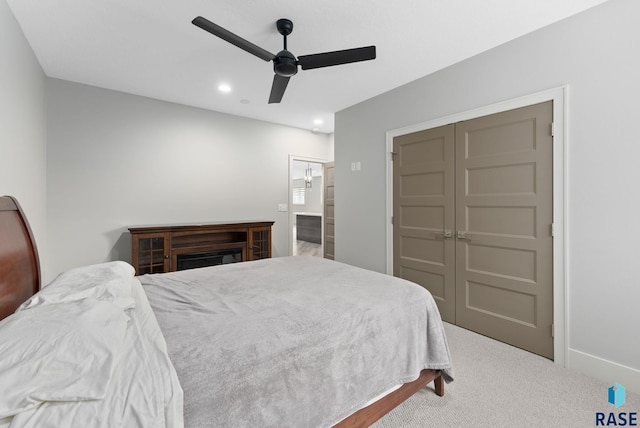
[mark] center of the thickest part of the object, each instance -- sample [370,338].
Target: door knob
[463,234]
[444,234]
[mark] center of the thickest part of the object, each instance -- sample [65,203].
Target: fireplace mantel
[157,248]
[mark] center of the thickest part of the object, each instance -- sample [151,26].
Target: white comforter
[87,352]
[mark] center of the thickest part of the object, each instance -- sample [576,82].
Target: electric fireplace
[209,258]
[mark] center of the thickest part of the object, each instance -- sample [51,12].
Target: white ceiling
[150,47]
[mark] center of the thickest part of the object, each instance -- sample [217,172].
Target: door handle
[463,234]
[444,234]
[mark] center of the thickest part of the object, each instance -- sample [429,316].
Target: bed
[289,341]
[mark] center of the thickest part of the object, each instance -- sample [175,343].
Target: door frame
[559,96]
[293,158]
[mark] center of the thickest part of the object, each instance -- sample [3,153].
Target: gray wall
[22,125]
[596,54]
[116,160]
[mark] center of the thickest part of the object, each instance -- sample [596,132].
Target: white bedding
[131,381]
[75,366]
[108,282]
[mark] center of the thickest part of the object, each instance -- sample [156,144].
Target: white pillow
[58,352]
[105,281]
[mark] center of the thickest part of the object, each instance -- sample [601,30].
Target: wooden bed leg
[439,386]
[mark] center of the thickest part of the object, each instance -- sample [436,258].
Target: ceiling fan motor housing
[285,64]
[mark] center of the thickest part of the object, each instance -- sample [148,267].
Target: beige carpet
[497,385]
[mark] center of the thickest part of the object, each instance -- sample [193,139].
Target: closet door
[504,280]
[472,208]
[423,213]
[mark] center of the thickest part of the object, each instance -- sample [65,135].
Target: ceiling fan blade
[327,59]
[277,88]
[234,39]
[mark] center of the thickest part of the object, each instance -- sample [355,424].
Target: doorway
[306,204]
[472,209]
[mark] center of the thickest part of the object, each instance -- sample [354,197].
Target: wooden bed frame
[20,279]
[19,263]
[368,415]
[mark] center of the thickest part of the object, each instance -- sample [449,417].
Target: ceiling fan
[285,63]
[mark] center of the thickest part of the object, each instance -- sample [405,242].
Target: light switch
[282,208]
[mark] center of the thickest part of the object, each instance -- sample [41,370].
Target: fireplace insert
[209,258]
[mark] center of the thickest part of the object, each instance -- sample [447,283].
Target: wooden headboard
[19,264]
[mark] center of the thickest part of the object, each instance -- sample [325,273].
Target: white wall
[22,125]
[116,160]
[596,54]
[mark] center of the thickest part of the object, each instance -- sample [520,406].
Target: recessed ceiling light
[318,122]
[224,87]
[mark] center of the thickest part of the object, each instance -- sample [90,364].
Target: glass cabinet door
[259,243]
[152,254]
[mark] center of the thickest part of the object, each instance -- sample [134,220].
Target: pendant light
[308,177]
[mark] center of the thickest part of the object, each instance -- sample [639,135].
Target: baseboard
[604,370]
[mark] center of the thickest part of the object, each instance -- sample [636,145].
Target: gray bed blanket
[292,341]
